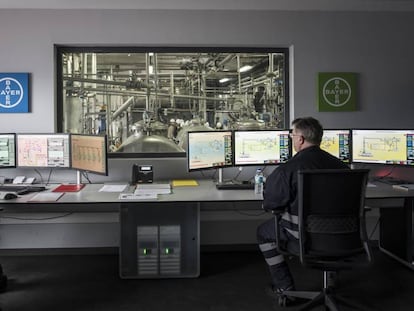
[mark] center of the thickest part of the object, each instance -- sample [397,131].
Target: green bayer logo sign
[336,91]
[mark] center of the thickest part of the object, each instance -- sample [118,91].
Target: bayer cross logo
[11,92]
[336,92]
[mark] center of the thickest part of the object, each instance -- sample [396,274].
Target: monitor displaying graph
[337,143]
[383,146]
[89,153]
[43,150]
[262,147]
[7,150]
[209,149]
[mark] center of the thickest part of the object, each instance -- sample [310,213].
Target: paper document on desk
[113,188]
[137,197]
[153,189]
[46,197]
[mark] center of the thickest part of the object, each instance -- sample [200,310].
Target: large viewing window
[147,99]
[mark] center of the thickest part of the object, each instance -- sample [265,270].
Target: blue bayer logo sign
[14,92]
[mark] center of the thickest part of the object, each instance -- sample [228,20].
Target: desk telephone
[142,174]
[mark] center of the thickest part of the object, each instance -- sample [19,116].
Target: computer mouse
[10,196]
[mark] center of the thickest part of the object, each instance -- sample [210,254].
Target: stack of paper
[184,182]
[153,189]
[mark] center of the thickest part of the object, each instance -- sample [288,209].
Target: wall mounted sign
[337,91]
[14,92]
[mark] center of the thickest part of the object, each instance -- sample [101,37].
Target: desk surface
[204,193]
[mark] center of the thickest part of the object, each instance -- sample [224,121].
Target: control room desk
[396,221]
[160,238]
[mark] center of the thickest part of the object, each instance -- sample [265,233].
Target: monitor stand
[232,184]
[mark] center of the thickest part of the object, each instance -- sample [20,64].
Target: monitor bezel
[379,163]
[15,151]
[105,158]
[19,165]
[210,167]
[261,130]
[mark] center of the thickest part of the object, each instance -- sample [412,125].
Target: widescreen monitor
[381,146]
[209,149]
[261,147]
[7,150]
[89,153]
[338,143]
[43,150]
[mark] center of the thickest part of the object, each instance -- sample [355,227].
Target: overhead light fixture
[223,80]
[245,68]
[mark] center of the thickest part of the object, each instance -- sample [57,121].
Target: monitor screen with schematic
[7,150]
[261,147]
[383,146]
[209,149]
[89,153]
[43,150]
[337,142]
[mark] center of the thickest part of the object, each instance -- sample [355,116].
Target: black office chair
[3,277]
[332,232]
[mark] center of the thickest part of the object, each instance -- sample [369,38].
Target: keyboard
[234,186]
[21,189]
[392,181]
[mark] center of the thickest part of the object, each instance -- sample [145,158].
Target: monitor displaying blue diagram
[383,146]
[261,147]
[209,149]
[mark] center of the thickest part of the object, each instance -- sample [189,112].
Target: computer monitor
[43,150]
[7,150]
[261,147]
[89,153]
[209,149]
[381,146]
[338,143]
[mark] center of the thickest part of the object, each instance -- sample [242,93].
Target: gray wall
[377,45]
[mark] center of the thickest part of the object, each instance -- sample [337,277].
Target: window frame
[59,50]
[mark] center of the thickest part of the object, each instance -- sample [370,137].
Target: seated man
[280,194]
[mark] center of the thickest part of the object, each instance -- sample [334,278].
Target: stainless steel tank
[149,144]
[250,125]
